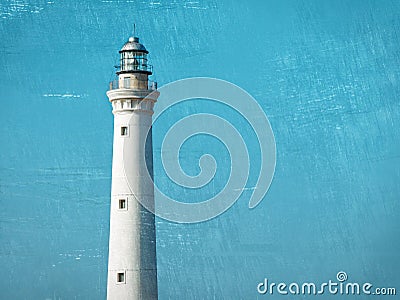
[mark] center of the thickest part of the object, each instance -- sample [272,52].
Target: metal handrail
[114,85]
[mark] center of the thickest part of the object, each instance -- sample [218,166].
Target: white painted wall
[132,244]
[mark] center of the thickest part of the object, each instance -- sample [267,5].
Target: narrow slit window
[122,204]
[124,130]
[121,277]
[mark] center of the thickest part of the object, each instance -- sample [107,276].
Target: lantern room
[133,71]
[134,58]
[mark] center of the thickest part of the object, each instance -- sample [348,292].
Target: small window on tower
[127,82]
[122,204]
[124,130]
[120,277]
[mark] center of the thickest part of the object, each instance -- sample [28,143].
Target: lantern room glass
[133,61]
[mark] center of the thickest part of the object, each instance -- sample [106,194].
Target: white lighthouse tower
[132,268]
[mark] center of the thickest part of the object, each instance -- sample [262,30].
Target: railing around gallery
[126,84]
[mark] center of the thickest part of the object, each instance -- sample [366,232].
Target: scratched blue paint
[327,74]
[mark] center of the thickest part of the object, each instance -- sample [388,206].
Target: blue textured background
[327,74]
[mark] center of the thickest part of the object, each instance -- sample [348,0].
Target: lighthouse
[132,267]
